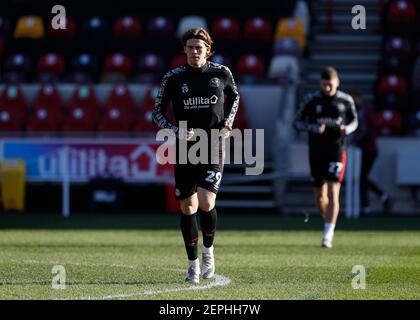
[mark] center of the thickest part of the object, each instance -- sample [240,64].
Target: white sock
[208,250]
[195,263]
[328,231]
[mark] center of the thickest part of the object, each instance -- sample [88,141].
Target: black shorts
[327,165]
[188,177]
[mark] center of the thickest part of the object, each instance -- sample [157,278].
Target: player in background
[198,91]
[328,115]
[366,139]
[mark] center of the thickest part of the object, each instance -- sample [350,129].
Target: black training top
[198,97]
[317,109]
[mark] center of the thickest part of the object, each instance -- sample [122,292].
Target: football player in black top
[329,115]
[198,92]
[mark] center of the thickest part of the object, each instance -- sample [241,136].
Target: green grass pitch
[257,257]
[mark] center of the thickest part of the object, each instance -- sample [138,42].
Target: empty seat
[84,68]
[398,45]
[127,27]
[388,123]
[392,93]
[43,120]
[115,120]
[83,111]
[10,121]
[17,68]
[151,63]
[394,63]
[225,28]
[14,107]
[258,28]
[250,64]
[120,97]
[29,27]
[401,15]
[284,68]
[189,22]
[49,98]
[118,63]
[50,67]
[160,27]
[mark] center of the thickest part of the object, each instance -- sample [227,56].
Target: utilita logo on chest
[199,102]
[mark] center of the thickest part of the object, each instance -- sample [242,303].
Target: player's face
[329,87]
[197,52]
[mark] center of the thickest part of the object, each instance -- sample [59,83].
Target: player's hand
[185,134]
[321,128]
[225,131]
[343,129]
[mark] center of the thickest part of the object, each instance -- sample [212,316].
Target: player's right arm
[162,101]
[302,121]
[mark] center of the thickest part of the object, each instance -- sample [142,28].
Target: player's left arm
[351,117]
[232,100]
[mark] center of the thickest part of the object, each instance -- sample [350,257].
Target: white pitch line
[220,280]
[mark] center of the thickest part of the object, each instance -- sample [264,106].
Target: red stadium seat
[127,27]
[388,123]
[51,64]
[250,65]
[48,97]
[401,11]
[44,120]
[10,121]
[392,84]
[115,120]
[118,63]
[13,100]
[83,111]
[121,98]
[226,28]
[258,28]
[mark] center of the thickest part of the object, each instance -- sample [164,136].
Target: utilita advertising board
[51,160]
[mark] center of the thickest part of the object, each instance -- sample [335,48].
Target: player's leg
[211,176]
[321,199]
[208,222]
[334,177]
[332,213]
[187,195]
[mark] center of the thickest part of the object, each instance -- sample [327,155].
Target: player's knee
[206,205]
[188,207]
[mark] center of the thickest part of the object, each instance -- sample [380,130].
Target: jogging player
[198,92]
[329,115]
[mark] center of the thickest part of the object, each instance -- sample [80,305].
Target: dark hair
[198,33]
[329,73]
